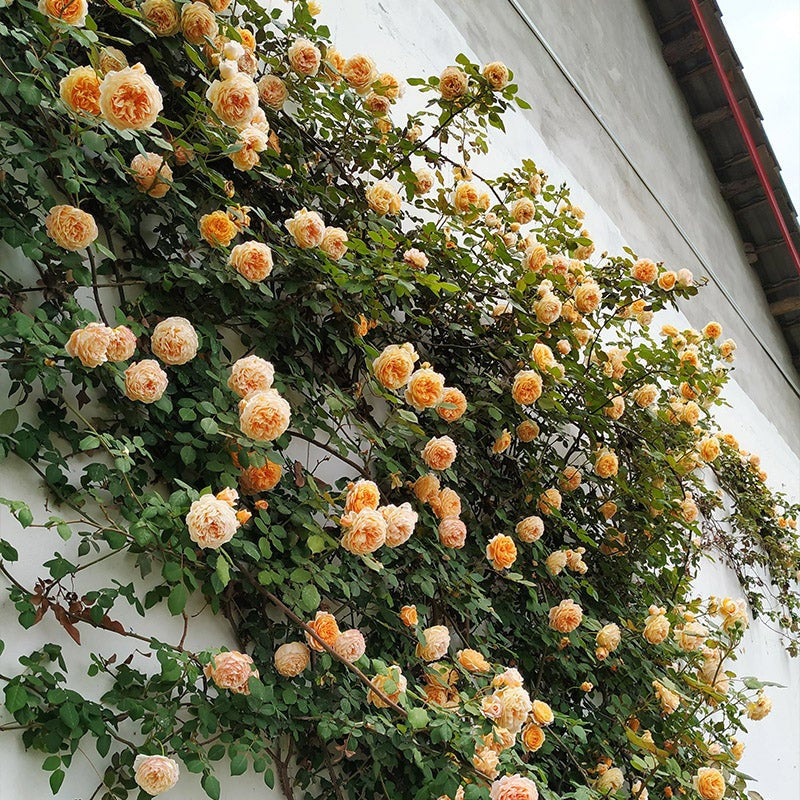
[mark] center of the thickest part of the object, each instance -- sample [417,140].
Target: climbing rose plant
[290,359]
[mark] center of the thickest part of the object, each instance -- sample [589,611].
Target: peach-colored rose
[645,270]
[670,701]
[394,366]
[547,308]
[445,503]
[400,522]
[145,381]
[452,532]
[360,495]
[415,259]
[272,91]
[709,449]
[231,670]
[217,228]
[727,349]
[535,258]
[234,100]
[198,23]
[211,522]
[440,453]
[359,72]
[542,713]
[501,551]
[527,430]
[516,705]
[291,659]
[566,616]
[90,344]
[426,487]
[264,415]
[527,388]
[556,562]
[691,636]
[501,443]
[606,464]
[425,180]
[381,682]
[609,780]
[465,196]
[759,708]
[523,211]
[453,83]
[709,783]
[254,480]
[733,612]
[122,344]
[473,661]
[588,296]
[645,395]
[129,99]
[350,645]
[485,761]
[549,501]
[155,774]
[656,629]
[408,616]
[530,529]
[383,198]
[174,341]
[80,90]
[152,175]
[570,479]
[250,374]
[326,627]
[454,397]
[425,388]
[70,228]
[307,228]
[532,738]
[513,787]
[304,57]
[162,16]
[685,277]
[496,75]
[334,243]
[365,531]
[607,640]
[73,12]
[437,641]
[254,139]
[252,260]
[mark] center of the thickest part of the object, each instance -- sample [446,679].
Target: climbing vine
[281,352]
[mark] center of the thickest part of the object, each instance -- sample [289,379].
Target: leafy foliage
[124,474]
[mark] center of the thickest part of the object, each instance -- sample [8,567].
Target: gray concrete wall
[613,51]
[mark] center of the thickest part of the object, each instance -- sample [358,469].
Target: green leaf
[176,601]
[223,570]
[417,718]
[309,598]
[211,786]
[9,419]
[56,779]
[16,697]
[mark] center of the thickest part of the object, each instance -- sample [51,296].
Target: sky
[766,36]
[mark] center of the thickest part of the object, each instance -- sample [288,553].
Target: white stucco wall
[615,54]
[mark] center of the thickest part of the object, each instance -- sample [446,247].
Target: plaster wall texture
[614,53]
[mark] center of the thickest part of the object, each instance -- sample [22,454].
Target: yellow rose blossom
[80,90]
[425,388]
[162,16]
[453,83]
[501,551]
[709,783]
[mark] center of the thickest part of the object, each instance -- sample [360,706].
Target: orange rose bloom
[454,397]
[425,388]
[360,495]
[394,366]
[532,737]
[80,90]
[73,12]
[217,228]
[440,453]
[527,388]
[549,501]
[473,661]
[129,99]
[408,616]
[426,487]
[365,531]
[70,228]
[501,551]
[566,616]
[452,532]
[445,503]
[254,480]
[326,627]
